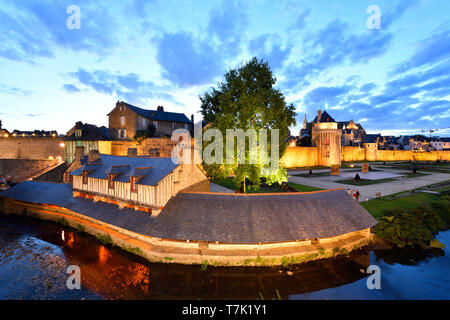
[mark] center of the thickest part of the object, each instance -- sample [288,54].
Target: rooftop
[158,115]
[228,218]
[151,170]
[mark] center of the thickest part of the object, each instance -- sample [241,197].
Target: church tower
[305,123]
[326,136]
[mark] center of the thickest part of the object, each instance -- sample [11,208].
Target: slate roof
[372,138]
[90,132]
[126,167]
[159,115]
[325,118]
[217,217]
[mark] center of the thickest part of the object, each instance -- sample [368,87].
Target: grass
[303,188]
[377,207]
[364,182]
[274,188]
[313,175]
[415,175]
[105,239]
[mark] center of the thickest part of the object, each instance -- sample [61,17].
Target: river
[34,256]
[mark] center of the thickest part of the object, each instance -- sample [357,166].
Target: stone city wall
[299,157]
[31,148]
[295,157]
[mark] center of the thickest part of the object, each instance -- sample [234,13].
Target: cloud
[71,88]
[129,87]
[34,28]
[325,96]
[34,115]
[402,6]
[433,49]
[332,46]
[269,47]
[4,88]
[188,59]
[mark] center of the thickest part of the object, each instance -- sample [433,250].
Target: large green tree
[246,100]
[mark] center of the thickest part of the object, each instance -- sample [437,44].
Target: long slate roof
[126,167]
[159,115]
[226,218]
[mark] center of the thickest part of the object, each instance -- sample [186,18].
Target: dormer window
[133,182]
[78,133]
[110,181]
[85,177]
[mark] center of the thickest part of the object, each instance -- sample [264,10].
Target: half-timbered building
[142,183]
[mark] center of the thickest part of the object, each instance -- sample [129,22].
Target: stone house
[88,136]
[125,120]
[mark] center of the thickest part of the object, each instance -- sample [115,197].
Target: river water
[34,256]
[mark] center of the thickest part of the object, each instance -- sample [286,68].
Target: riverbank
[210,228]
[194,252]
[34,256]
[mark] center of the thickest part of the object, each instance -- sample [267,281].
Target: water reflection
[110,273]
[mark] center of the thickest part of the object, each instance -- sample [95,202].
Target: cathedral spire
[305,122]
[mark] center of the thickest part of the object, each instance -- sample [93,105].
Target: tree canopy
[246,100]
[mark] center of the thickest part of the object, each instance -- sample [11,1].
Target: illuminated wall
[307,156]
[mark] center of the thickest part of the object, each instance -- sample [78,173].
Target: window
[144,122]
[110,181]
[122,133]
[155,123]
[78,133]
[186,126]
[173,125]
[85,177]
[122,120]
[133,181]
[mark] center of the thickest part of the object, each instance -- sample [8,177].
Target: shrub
[140,136]
[410,228]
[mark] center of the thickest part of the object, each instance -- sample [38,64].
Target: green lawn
[415,175]
[303,188]
[377,207]
[363,182]
[313,175]
[230,184]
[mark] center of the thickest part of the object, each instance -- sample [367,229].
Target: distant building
[326,136]
[125,120]
[440,143]
[353,134]
[35,133]
[87,135]
[419,143]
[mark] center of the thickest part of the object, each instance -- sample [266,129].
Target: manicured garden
[274,188]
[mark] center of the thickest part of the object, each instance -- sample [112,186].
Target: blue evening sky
[393,80]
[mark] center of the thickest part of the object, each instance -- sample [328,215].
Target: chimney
[93,155]
[160,108]
[319,115]
[132,152]
[79,153]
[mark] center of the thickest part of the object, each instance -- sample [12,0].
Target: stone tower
[326,136]
[305,123]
